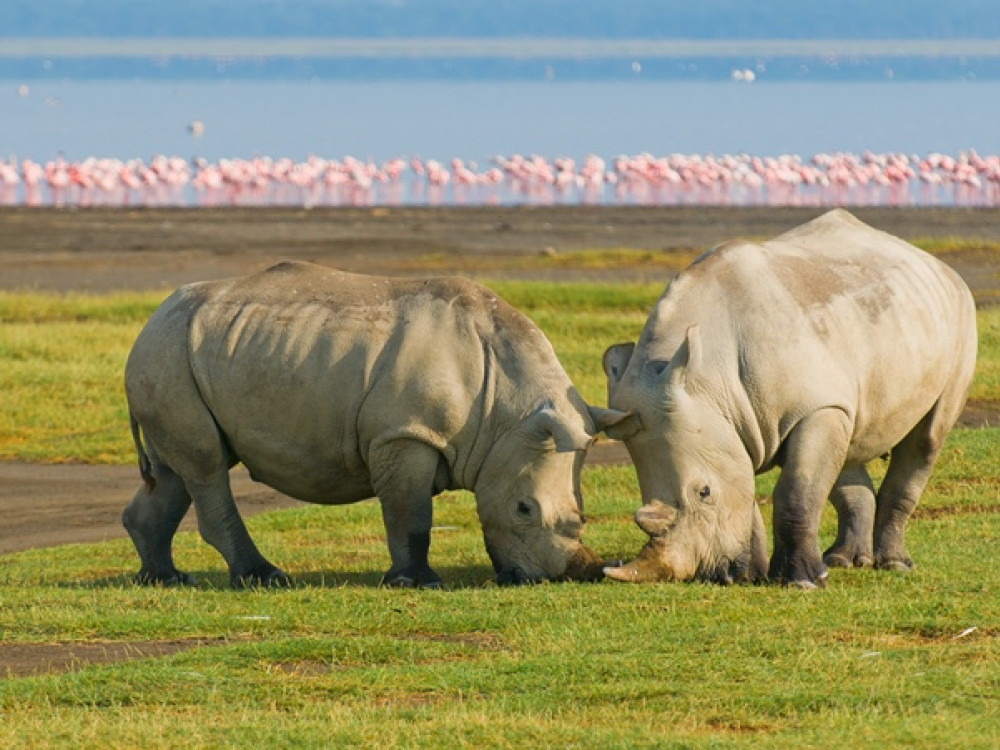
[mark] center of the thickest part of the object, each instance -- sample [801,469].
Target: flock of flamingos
[963,179]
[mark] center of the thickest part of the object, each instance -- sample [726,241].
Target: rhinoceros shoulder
[298,285]
[835,220]
[299,282]
[721,265]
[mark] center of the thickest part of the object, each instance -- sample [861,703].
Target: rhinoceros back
[831,314]
[303,366]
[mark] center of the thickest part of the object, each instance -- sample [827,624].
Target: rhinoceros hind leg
[222,527]
[910,465]
[854,498]
[151,520]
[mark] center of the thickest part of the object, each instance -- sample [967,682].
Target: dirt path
[45,505]
[103,249]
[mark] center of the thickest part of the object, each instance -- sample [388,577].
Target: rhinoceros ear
[615,360]
[605,418]
[624,428]
[545,424]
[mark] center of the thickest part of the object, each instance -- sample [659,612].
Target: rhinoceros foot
[898,564]
[411,578]
[806,585]
[263,576]
[172,577]
[802,571]
[167,578]
[843,557]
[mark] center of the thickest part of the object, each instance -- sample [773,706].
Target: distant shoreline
[462,48]
[497,59]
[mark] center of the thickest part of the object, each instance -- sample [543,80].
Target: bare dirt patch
[30,659]
[944,511]
[980,413]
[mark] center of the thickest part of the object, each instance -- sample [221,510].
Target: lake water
[476,121]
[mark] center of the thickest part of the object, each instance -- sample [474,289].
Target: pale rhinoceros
[816,351]
[334,387]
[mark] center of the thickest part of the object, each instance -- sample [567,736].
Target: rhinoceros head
[529,501]
[694,472]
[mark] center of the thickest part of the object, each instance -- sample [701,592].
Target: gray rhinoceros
[816,351]
[334,387]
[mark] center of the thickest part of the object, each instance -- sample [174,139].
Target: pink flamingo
[965,178]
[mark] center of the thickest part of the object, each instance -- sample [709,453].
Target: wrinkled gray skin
[817,351]
[332,388]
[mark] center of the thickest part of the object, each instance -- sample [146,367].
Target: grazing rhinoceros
[817,351]
[333,387]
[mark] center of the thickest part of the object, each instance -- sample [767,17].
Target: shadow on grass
[455,578]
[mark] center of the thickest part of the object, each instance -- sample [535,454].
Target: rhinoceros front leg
[854,498]
[221,525]
[814,455]
[403,473]
[151,520]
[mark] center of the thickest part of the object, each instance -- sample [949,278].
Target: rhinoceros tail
[145,467]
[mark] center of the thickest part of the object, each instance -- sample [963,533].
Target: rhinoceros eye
[705,493]
[523,509]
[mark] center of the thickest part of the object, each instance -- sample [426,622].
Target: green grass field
[876,660]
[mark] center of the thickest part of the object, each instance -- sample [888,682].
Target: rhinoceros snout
[585,565]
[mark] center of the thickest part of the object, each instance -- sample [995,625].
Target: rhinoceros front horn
[644,569]
[656,519]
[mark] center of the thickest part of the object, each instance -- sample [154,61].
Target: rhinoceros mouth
[726,572]
[584,565]
[507,574]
